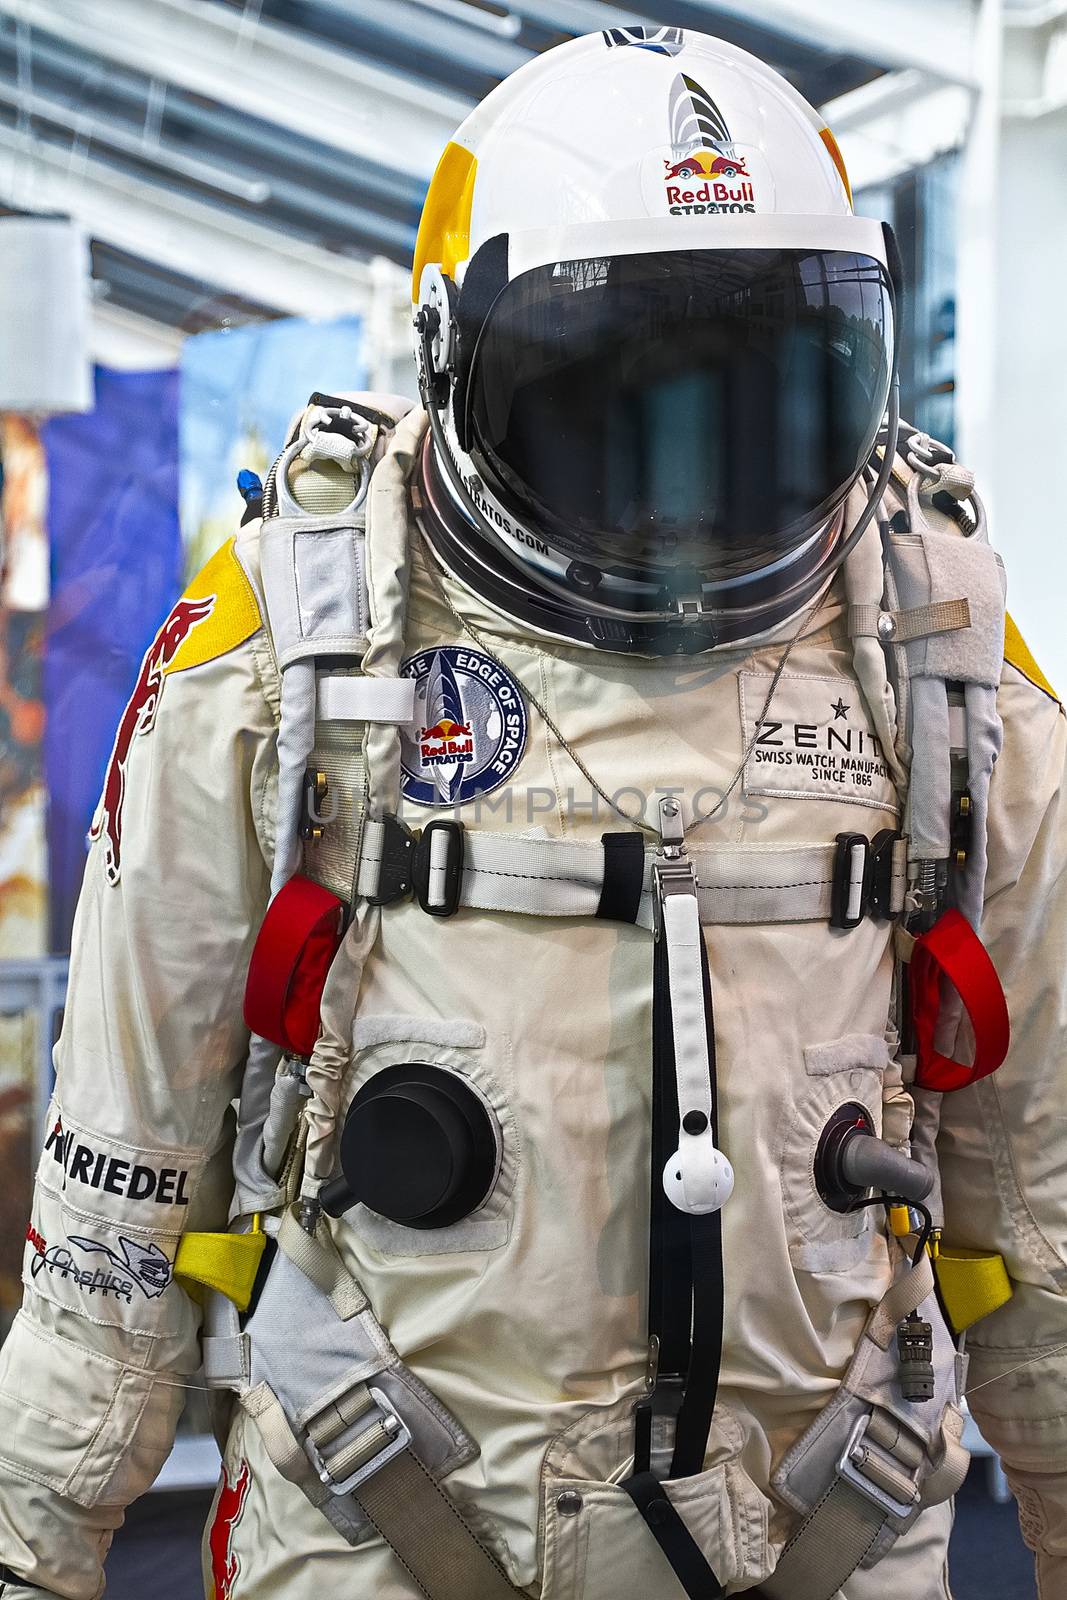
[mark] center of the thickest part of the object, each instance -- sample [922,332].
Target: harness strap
[624,877]
[913,622]
[877,1484]
[574,878]
[359,1447]
[831,1544]
[673,1537]
[317,1258]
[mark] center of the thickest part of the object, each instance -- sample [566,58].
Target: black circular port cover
[848,1120]
[419,1146]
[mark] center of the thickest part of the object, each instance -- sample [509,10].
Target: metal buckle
[444,879]
[850,1468]
[399,1439]
[396,873]
[880,878]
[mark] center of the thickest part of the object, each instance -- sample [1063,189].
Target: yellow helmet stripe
[445,230]
[837,158]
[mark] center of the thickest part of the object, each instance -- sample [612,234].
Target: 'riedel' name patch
[98,1169]
[815,743]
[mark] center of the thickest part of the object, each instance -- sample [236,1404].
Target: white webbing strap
[697,1164]
[564,878]
[561,878]
[344,697]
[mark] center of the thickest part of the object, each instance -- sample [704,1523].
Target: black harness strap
[624,876]
[673,1537]
[685,1311]
[705,1245]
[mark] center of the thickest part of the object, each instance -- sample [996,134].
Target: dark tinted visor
[700,409]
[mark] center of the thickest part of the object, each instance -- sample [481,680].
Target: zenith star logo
[138,718]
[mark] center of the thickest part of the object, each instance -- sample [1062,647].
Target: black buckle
[437,869]
[849,895]
[396,877]
[339,424]
[880,878]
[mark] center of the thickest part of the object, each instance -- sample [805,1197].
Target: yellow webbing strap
[972,1284]
[227,1262]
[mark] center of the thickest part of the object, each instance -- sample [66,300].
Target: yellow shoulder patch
[1017,653]
[228,611]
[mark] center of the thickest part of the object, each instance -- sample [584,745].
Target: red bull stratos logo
[707,174]
[469,731]
[138,717]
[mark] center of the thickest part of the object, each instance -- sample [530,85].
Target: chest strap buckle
[437,867]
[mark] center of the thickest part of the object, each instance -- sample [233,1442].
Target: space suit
[630,1171]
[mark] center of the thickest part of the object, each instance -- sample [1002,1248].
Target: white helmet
[655,343]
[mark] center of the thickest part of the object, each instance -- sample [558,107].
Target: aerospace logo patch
[145,1267]
[469,731]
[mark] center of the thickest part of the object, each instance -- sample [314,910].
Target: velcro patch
[815,743]
[233,617]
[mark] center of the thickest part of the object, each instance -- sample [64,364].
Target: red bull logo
[138,718]
[446,740]
[707,164]
[715,193]
[228,1509]
[705,174]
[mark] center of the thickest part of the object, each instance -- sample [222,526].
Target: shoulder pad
[219,611]
[1017,653]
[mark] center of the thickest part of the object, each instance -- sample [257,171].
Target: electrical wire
[888,1200]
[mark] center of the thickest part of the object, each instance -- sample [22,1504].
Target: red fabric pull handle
[287,972]
[952,950]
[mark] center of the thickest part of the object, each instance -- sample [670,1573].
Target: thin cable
[1042,1355]
[635,821]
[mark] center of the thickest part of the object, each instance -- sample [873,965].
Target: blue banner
[241,388]
[117,567]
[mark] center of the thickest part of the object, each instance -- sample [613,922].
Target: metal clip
[312,821]
[860,1463]
[672,870]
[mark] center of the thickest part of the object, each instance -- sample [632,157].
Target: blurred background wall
[235,187]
